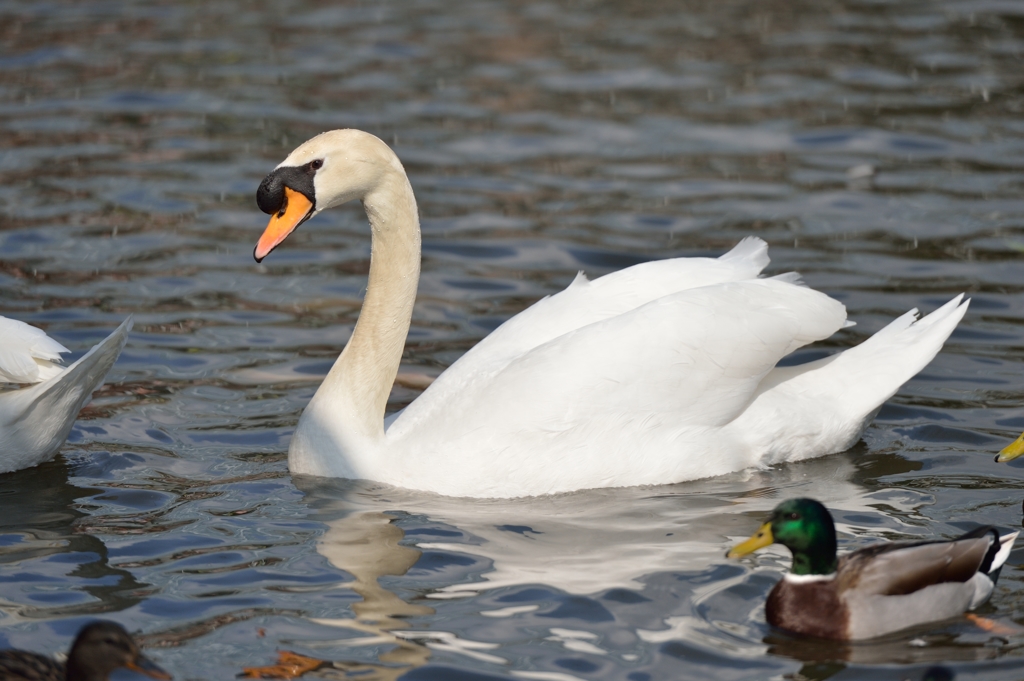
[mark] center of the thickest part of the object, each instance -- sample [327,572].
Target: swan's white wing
[583,303]
[587,402]
[35,421]
[699,354]
[27,354]
[586,302]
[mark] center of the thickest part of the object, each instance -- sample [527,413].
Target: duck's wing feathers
[28,666]
[27,354]
[890,587]
[905,567]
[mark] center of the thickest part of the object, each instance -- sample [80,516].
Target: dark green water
[877,147]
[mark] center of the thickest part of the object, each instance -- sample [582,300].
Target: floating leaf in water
[289,666]
[994,626]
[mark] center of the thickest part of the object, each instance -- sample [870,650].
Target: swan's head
[328,170]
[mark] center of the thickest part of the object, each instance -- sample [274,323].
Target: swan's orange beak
[293,213]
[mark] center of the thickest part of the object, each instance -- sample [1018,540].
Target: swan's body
[35,420]
[659,373]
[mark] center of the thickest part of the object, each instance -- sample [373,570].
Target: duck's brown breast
[809,608]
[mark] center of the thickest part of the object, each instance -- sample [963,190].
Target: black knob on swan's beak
[270,195]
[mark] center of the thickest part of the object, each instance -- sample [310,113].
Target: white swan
[659,373]
[35,420]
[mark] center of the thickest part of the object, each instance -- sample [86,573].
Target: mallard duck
[875,590]
[99,649]
[35,419]
[659,373]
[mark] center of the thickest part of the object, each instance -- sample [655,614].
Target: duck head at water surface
[662,372]
[99,649]
[875,590]
[805,528]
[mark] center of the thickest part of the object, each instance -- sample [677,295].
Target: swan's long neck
[361,379]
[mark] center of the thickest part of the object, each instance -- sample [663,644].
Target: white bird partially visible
[659,373]
[35,420]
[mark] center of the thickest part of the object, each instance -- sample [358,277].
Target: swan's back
[584,302]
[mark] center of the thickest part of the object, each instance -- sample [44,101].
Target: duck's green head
[804,527]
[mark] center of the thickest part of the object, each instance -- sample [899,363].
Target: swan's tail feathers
[873,371]
[35,421]
[750,248]
[837,396]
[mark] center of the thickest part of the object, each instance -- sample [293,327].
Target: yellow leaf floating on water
[289,666]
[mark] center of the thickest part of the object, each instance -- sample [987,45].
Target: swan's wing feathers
[17,367]
[27,354]
[751,251]
[35,421]
[585,302]
[697,356]
[903,568]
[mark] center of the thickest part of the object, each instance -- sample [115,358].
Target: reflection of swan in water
[583,542]
[366,545]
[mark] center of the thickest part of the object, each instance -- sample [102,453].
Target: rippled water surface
[878,148]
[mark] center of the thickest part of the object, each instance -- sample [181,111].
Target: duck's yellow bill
[294,212]
[1012,450]
[762,538]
